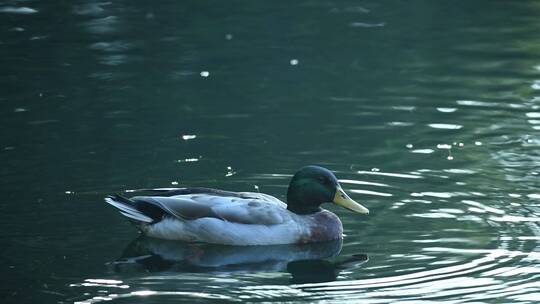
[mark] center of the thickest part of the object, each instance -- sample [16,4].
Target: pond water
[427,111]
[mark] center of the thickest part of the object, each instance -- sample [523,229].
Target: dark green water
[429,112]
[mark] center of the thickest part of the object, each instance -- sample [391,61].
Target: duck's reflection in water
[307,263]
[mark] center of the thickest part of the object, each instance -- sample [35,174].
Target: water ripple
[18,10]
[399,175]
[445,126]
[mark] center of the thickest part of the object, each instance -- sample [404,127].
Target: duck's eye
[324,180]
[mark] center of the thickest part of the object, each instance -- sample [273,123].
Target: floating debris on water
[189,136]
[446,110]
[444,146]
[445,126]
[230,171]
[423,151]
[187,160]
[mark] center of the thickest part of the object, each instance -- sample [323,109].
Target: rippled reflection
[170,262]
[154,255]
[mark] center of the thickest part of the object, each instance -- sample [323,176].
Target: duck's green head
[312,186]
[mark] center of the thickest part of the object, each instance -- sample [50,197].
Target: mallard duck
[243,218]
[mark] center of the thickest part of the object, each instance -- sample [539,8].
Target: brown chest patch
[323,226]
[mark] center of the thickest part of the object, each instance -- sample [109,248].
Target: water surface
[428,111]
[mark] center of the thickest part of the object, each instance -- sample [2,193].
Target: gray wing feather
[252,212]
[186,209]
[246,208]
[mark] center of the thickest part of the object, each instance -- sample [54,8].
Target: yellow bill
[341,198]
